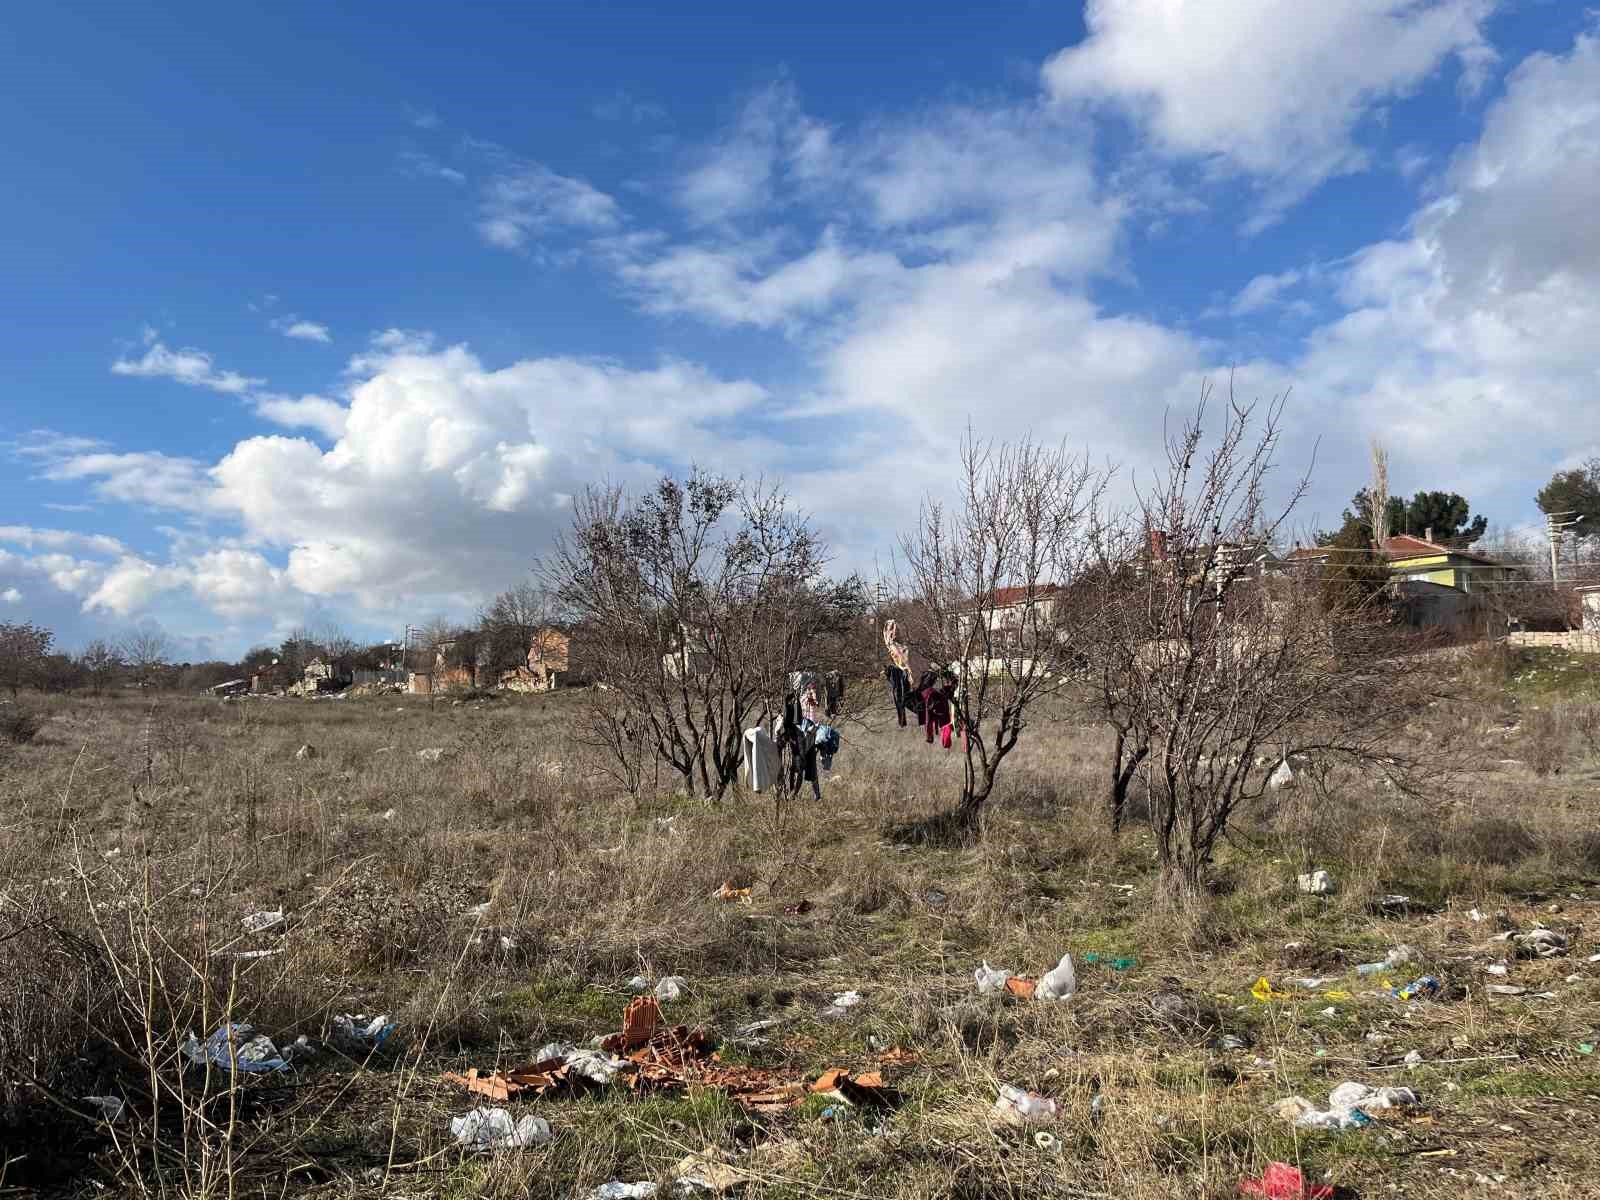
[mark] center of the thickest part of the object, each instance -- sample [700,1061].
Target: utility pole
[1556,526]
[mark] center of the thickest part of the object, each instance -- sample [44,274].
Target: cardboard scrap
[732,895]
[540,1078]
[865,1090]
[1021,988]
[661,1057]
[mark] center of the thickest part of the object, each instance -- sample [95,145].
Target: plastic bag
[1058,984]
[991,981]
[1017,1107]
[493,1129]
[944,736]
[671,988]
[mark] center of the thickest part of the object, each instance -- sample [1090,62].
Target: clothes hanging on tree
[762,762]
[935,708]
[899,692]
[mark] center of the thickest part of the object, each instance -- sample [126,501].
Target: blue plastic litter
[237,1047]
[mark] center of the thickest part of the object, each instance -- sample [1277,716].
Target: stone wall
[1582,643]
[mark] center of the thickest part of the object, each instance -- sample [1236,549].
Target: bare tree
[23,647]
[511,621]
[1230,670]
[100,663]
[297,650]
[699,599]
[993,574]
[339,650]
[145,652]
[1378,496]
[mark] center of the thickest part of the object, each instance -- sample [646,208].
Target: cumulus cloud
[326,416]
[11,596]
[1275,88]
[188,366]
[302,330]
[1478,326]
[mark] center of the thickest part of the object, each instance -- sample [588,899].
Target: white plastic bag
[1058,984]
[1317,883]
[1016,1107]
[493,1129]
[671,988]
[991,981]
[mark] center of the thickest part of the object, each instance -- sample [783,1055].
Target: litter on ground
[1059,983]
[1019,1108]
[236,1047]
[1317,883]
[257,921]
[1281,1181]
[493,1129]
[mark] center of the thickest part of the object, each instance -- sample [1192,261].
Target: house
[1424,560]
[1006,610]
[232,687]
[455,667]
[266,680]
[692,655]
[557,658]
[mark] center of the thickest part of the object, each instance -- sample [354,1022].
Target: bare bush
[1219,669]
[701,599]
[991,576]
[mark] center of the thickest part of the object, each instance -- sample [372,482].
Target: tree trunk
[1181,886]
[1122,773]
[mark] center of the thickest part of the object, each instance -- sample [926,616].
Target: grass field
[136,835]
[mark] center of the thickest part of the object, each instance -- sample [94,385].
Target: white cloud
[59,539]
[11,596]
[302,330]
[414,162]
[238,583]
[772,145]
[528,200]
[1264,290]
[147,478]
[1476,331]
[188,366]
[131,584]
[1273,87]
[449,474]
[326,416]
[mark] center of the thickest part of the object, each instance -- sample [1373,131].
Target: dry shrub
[1547,738]
[19,726]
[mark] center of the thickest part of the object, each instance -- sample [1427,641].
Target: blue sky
[317,316]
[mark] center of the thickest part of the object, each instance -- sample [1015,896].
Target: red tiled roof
[1006,597]
[1405,545]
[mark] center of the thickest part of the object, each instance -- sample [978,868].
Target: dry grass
[134,837]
